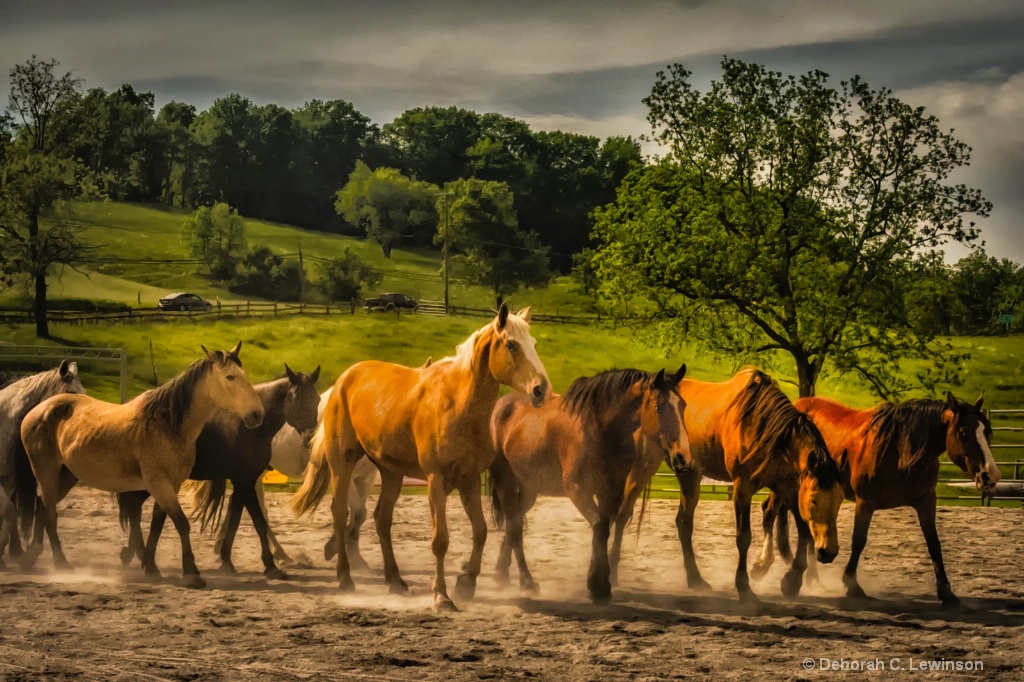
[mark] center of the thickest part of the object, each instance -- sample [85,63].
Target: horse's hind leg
[861,524]
[156,527]
[259,522]
[8,521]
[599,575]
[926,517]
[275,546]
[383,515]
[792,581]
[130,513]
[360,487]
[741,505]
[235,505]
[622,518]
[166,496]
[46,510]
[764,561]
[465,584]
[689,496]
[438,498]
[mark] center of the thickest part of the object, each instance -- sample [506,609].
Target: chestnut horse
[146,444]
[745,430]
[427,423]
[582,445]
[894,462]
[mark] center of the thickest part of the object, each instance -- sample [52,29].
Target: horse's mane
[909,425]
[589,395]
[775,420]
[464,352]
[34,387]
[170,403]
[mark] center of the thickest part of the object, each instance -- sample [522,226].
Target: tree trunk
[42,327]
[807,374]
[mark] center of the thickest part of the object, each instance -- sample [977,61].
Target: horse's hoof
[600,590]
[127,554]
[330,551]
[758,571]
[465,587]
[28,558]
[442,604]
[698,584]
[748,597]
[346,585]
[228,568]
[194,582]
[791,583]
[357,563]
[527,584]
[503,578]
[62,565]
[275,573]
[951,601]
[397,586]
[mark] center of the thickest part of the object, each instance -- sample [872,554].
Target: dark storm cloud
[581,66]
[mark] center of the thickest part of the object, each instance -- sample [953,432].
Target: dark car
[183,301]
[390,302]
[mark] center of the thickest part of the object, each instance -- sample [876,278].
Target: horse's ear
[212,355]
[951,403]
[680,373]
[292,377]
[73,369]
[502,315]
[659,379]
[236,350]
[524,314]
[65,366]
[315,376]
[980,401]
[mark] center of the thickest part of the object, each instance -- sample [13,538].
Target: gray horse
[16,400]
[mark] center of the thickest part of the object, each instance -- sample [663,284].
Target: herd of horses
[599,444]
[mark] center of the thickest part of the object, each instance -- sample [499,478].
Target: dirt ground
[103,622]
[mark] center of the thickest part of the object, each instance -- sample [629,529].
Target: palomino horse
[226,450]
[745,430]
[16,481]
[145,444]
[289,454]
[894,451]
[582,445]
[429,423]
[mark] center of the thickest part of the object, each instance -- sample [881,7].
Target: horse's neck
[273,395]
[202,409]
[27,397]
[936,442]
[477,386]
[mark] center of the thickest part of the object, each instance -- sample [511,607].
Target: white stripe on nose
[991,468]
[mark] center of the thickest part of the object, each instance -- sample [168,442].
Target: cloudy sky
[581,66]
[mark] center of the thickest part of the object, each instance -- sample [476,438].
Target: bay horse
[746,431]
[17,484]
[289,454]
[582,445]
[427,423]
[145,444]
[894,451]
[226,450]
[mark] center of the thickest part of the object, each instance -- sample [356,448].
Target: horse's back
[841,426]
[709,421]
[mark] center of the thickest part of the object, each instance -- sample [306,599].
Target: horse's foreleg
[341,475]
[165,495]
[792,581]
[689,496]
[156,527]
[383,514]
[439,545]
[625,513]
[469,493]
[235,505]
[275,546]
[130,510]
[926,516]
[259,522]
[360,491]
[598,576]
[764,561]
[861,524]
[741,505]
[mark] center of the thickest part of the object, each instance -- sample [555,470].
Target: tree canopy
[789,215]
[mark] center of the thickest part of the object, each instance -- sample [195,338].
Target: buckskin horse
[745,430]
[226,450]
[582,445]
[893,461]
[145,444]
[427,423]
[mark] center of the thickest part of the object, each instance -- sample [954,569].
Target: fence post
[275,308]
[327,309]
[218,308]
[123,358]
[248,309]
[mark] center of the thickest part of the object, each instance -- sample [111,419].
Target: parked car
[183,301]
[390,302]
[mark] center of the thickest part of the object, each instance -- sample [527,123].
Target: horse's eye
[230,377]
[963,433]
[511,345]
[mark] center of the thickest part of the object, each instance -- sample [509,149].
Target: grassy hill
[131,231]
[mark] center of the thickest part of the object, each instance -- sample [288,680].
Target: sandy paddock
[102,622]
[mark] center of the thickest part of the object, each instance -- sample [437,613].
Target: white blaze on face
[684,438]
[990,462]
[519,331]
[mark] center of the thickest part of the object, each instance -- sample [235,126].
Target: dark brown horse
[745,430]
[894,451]
[582,445]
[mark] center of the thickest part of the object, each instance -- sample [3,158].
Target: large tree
[216,236]
[790,215]
[484,234]
[38,180]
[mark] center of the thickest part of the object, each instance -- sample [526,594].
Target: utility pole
[444,197]
[302,276]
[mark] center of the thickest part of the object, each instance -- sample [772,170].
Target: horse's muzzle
[253,419]
[678,461]
[824,556]
[539,392]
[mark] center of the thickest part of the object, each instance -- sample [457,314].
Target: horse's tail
[122,511]
[643,507]
[317,478]
[38,435]
[497,512]
[782,534]
[207,502]
[24,494]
